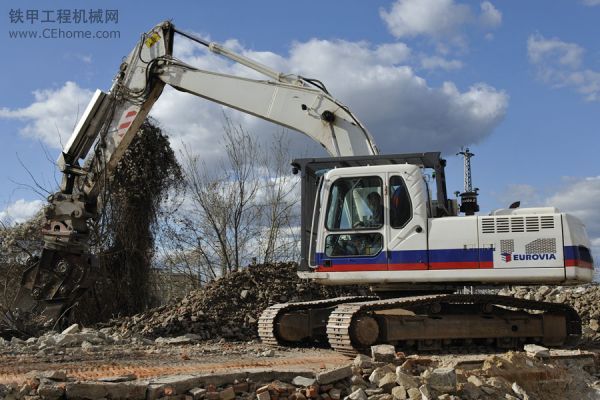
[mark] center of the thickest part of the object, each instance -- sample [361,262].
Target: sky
[517,82]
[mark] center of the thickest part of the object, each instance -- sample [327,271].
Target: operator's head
[374,200]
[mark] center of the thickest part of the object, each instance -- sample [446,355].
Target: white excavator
[366,219]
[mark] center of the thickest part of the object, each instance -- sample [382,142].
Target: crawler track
[267,323]
[340,324]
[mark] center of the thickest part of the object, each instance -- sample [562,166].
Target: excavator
[382,221]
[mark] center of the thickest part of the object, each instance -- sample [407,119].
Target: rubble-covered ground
[236,371]
[205,346]
[230,307]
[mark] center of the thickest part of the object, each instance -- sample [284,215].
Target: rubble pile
[72,339]
[512,376]
[230,306]
[585,299]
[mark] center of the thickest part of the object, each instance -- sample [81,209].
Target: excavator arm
[55,280]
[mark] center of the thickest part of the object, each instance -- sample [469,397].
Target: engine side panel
[523,241]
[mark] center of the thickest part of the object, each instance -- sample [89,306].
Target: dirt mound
[230,306]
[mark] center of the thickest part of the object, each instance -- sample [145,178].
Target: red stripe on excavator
[578,263]
[408,267]
[461,265]
[125,125]
[130,114]
[352,267]
[403,267]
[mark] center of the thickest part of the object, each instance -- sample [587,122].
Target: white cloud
[20,211]
[441,20]
[434,18]
[400,109]
[490,16]
[560,64]
[542,50]
[580,197]
[436,62]
[591,3]
[393,53]
[53,114]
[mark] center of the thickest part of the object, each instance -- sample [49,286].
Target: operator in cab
[376,207]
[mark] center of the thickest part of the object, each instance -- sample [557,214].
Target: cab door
[407,215]
[354,228]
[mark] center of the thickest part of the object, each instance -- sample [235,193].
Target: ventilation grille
[541,246]
[507,246]
[547,222]
[516,224]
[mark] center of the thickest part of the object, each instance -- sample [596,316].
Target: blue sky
[518,82]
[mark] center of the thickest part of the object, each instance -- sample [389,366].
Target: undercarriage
[351,325]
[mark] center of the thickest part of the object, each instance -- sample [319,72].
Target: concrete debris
[50,390]
[358,394]
[363,361]
[405,380]
[383,353]
[333,375]
[443,379]
[267,353]
[519,391]
[533,350]
[512,375]
[57,375]
[379,373]
[388,382]
[399,393]
[71,329]
[414,394]
[303,381]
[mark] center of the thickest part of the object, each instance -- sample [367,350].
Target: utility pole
[466,153]
[468,197]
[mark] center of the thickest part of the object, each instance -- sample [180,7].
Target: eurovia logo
[508,257]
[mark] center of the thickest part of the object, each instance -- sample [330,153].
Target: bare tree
[279,210]
[223,212]
[18,243]
[237,210]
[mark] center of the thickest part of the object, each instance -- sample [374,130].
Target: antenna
[468,198]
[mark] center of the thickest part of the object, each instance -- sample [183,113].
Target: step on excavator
[383,221]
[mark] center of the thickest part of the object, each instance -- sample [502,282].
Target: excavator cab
[355,209]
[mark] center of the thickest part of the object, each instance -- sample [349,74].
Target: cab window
[400,206]
[355,244]
[355,203]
